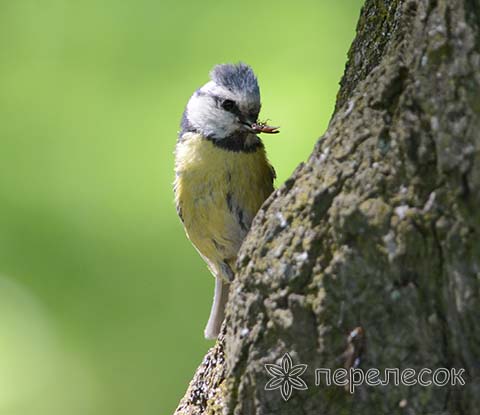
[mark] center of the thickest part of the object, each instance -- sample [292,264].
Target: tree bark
[378,229]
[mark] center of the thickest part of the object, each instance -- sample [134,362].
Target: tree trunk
[379,229]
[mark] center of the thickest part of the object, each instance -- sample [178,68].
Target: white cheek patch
[204,114]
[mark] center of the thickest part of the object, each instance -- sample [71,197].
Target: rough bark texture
[379,229]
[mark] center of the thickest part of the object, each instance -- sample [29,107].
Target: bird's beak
[261,127]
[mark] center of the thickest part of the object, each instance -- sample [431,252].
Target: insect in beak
[260,127]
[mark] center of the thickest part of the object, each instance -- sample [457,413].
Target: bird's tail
[217,313]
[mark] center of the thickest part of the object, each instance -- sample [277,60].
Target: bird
[222,174]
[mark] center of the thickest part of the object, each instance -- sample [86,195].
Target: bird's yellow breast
[217,193]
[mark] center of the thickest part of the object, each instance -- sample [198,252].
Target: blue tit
[222,175]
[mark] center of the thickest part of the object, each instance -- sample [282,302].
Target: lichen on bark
[379,228]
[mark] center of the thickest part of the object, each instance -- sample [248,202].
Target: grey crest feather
[238,78]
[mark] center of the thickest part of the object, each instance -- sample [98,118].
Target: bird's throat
[239,142]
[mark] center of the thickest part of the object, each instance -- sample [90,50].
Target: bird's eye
[229,105]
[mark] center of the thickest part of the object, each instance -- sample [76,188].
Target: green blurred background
[103,300]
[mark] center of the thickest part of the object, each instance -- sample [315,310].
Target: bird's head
[226,106]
